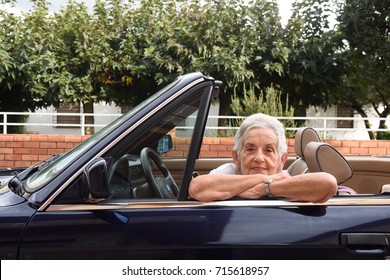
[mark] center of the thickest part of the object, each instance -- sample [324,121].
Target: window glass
[39,179]
[169,135]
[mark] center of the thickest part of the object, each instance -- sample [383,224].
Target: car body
[104,199]
[7,174]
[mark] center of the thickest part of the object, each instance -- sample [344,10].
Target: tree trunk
[382,123]
[299,111]
[363,114]
[88,108]
[224,110]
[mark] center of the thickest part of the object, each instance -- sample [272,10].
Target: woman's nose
[259,157]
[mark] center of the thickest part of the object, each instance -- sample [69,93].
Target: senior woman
[259,154]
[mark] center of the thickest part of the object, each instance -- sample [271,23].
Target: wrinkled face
[259,153]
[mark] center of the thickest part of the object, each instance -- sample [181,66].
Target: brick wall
[24,150]
[221,147]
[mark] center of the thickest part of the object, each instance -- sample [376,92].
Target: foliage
[345,65]
[385,135]
[271,104]
[125,50]
[259,36]
[311,74]
[365,31]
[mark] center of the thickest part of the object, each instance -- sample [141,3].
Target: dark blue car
[122,195]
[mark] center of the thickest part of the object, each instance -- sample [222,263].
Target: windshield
[39,179]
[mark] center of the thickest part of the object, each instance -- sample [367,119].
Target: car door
[263,229]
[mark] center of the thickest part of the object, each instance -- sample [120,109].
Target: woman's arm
[313,187]
[212,187]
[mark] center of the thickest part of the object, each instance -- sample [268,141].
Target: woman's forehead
[261,134]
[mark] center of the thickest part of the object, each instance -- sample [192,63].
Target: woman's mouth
[259,170]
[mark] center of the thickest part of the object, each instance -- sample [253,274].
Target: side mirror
[164,144]
[96,174]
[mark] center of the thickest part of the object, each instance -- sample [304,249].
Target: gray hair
[261,121]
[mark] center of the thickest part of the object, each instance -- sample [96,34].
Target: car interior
[365,175]
[313,155]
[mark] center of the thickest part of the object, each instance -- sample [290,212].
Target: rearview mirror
[164,144]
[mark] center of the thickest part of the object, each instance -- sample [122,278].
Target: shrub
[269,103]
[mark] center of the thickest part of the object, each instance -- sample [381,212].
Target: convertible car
[123,194]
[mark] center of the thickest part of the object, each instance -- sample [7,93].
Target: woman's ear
[235,158]
[283,160]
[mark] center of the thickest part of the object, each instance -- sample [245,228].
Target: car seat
[385,189]
[303,136]
[322,157]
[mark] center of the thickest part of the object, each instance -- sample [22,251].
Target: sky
[25,5]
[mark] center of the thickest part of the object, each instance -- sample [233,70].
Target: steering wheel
[164,187]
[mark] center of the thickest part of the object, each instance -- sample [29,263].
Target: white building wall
[41,118]
[358,132]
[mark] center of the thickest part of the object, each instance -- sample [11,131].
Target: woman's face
[259,153]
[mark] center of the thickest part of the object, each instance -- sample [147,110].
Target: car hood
[8,198]
[5,179]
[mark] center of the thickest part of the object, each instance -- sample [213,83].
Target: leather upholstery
[322,157]
[303,136]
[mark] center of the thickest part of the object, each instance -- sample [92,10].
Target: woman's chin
[262,172]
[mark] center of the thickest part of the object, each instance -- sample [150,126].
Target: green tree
[347,64]
[23,42]
[208,36]
[126,50]
[312,73]
[67,57]
[258,35]
[86,55]
[123,50]
[175,37]
[365,31]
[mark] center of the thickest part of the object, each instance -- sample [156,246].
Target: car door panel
[208,232]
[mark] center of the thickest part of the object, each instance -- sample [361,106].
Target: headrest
[322,157]
[385,189]
[303,136]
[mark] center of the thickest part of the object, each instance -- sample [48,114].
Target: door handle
[366,242]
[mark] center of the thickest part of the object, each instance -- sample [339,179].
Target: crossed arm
[312,187]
